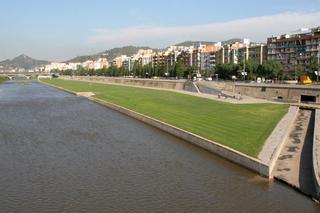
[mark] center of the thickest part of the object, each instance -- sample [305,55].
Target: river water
[61,153]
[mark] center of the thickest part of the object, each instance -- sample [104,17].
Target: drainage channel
[294,165]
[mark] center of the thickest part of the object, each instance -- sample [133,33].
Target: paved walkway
[294,164]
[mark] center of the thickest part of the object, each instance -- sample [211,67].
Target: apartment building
[255,52]
[295,49]
[185,57]
[229,53]
[159,60]
[118,61]
[204,56]
[101,63]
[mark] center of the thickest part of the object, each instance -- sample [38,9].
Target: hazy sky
[62,29]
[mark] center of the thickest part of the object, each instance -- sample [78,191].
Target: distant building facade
[295,49]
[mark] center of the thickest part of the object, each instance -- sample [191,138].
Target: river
[61,153]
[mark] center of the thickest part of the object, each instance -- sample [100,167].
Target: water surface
[60,153]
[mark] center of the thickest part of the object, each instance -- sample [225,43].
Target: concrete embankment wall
[164,84]
[217,85]
[190,87]
[275,142]
[316,152]
[287,93]
[216,148]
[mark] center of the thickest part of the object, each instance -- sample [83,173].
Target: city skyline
[59,31]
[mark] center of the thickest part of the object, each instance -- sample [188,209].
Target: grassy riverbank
[3,79]
[242,127]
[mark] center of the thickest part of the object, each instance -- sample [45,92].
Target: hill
[230,41]
[196,43]
[23,61]
[110,54]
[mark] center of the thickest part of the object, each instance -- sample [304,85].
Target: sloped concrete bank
[164,84]
[316,152]
[275,142]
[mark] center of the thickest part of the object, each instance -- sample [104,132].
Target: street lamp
[318,72]
[244,73]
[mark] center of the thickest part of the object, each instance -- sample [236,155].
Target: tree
[147,70]
[226,71]
[270,69]
[137,68]
[299,70]
[113,71]
[314,66]
[179,69]
[189,71]
[252,68]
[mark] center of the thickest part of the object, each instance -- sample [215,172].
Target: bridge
[28,75]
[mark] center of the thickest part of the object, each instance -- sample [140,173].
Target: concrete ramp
[294,165]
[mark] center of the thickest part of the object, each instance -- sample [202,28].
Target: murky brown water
[60,153]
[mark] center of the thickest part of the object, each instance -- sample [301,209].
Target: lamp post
[318,72]
[244,73]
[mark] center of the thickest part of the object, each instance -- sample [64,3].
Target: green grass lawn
[3,79]
[242,127]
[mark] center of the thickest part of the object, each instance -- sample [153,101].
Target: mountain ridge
[23,61]
[110,54]
[129,50]
[26,62]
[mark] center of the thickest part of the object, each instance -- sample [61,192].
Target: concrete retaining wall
[218,85]
[190,87]
[316,152]
[275,142]
[164,84]
[288,93]
[209,90]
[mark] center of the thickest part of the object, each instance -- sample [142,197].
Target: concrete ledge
[156,83]
[227,153]
[316,152]
[275,142]
[85,94]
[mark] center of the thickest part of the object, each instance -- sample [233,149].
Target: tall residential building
[118,61]
[229,52]
[159,60]
[255,52]
[203,57]
[258,53]
[297,48]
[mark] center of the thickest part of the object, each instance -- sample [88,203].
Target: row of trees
[250,71]
[268,69]
[176,70]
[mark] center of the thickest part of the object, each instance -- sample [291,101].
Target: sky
[62,29]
